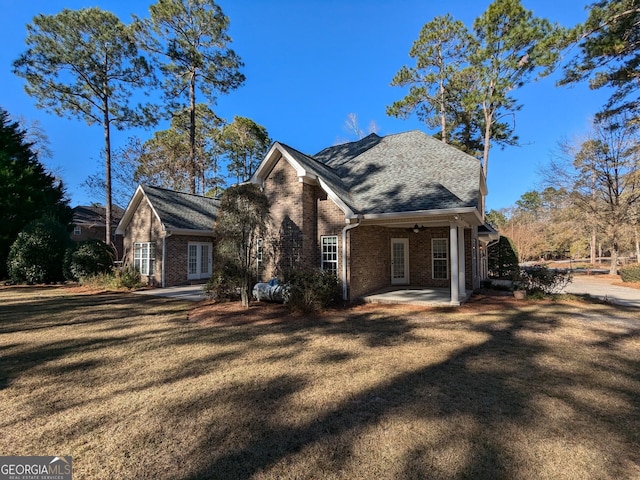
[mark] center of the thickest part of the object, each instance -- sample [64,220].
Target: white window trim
[149,249]
[199,274]
[433,259]
[77,230]
[259,251]
[322,261]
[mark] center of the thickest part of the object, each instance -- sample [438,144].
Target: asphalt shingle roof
[92,215]
[405,172]
[182,211]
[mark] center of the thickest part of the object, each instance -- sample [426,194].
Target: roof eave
[472,215]
[131,209]
[188,231]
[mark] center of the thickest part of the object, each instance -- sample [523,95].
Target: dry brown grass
[136,387]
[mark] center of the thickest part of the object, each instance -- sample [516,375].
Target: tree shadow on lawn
[96,322]
[512,402]
[495,394]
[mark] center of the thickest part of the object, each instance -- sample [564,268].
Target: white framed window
[440,258]
[144,257]
[77,230]
[259,251]
[329,255]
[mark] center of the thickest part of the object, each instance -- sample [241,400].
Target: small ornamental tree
[242,220]
[37,255]
[503,260]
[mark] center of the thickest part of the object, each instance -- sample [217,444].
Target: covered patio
[409,295]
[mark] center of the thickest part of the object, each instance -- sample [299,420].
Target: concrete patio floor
[412,296]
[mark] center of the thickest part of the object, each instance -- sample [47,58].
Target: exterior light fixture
[416,228]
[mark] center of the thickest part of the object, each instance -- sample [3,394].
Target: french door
[199,260]
[399,261]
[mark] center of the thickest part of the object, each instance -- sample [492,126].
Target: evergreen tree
[463,81]
[27,190]
[85,64]
[609,42]
[245,144]
[189,40]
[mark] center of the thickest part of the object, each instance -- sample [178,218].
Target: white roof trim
[131,209]
[270,160]
[184,231]
[420,213]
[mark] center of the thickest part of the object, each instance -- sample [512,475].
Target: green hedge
[630,273]
[37,254]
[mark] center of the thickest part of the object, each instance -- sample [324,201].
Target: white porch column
[453,249]
[462,289]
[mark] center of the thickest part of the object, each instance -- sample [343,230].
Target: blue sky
[309,63]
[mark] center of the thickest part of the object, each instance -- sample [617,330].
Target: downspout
[344,256]
[164,256]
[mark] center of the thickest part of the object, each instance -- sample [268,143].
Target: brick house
[168,236]
[382,212]
[88,223]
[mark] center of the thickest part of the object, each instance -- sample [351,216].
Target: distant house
[382,212]
[89,223]
[168,236]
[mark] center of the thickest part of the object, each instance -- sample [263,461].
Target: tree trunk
[488,118]
[192,133]
[443,117]
[107,173]
[637,237]
[593,246]
[613,269]
[244,292]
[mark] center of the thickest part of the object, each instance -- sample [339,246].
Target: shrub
[540,278]
[225,282]
[115,279]
[127,277]
[503,260]
[630,273]
[37,254]
[88,258]
[312,289]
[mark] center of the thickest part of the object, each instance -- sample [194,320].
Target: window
[144,255]
[259,251]
[440,258]
[330,254]
[77,230]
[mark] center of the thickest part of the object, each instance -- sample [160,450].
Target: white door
[199,260]
[399,261]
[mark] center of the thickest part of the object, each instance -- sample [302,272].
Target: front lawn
[136,387]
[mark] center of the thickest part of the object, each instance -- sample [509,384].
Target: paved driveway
[193,293]
[601,288]
[593,285]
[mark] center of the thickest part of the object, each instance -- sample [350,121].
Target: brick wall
[144,227]
[176,263]
[97,233]
[301,214]
[370,251]
[282,246]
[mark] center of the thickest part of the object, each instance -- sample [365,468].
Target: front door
[399,261]
[199,260]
